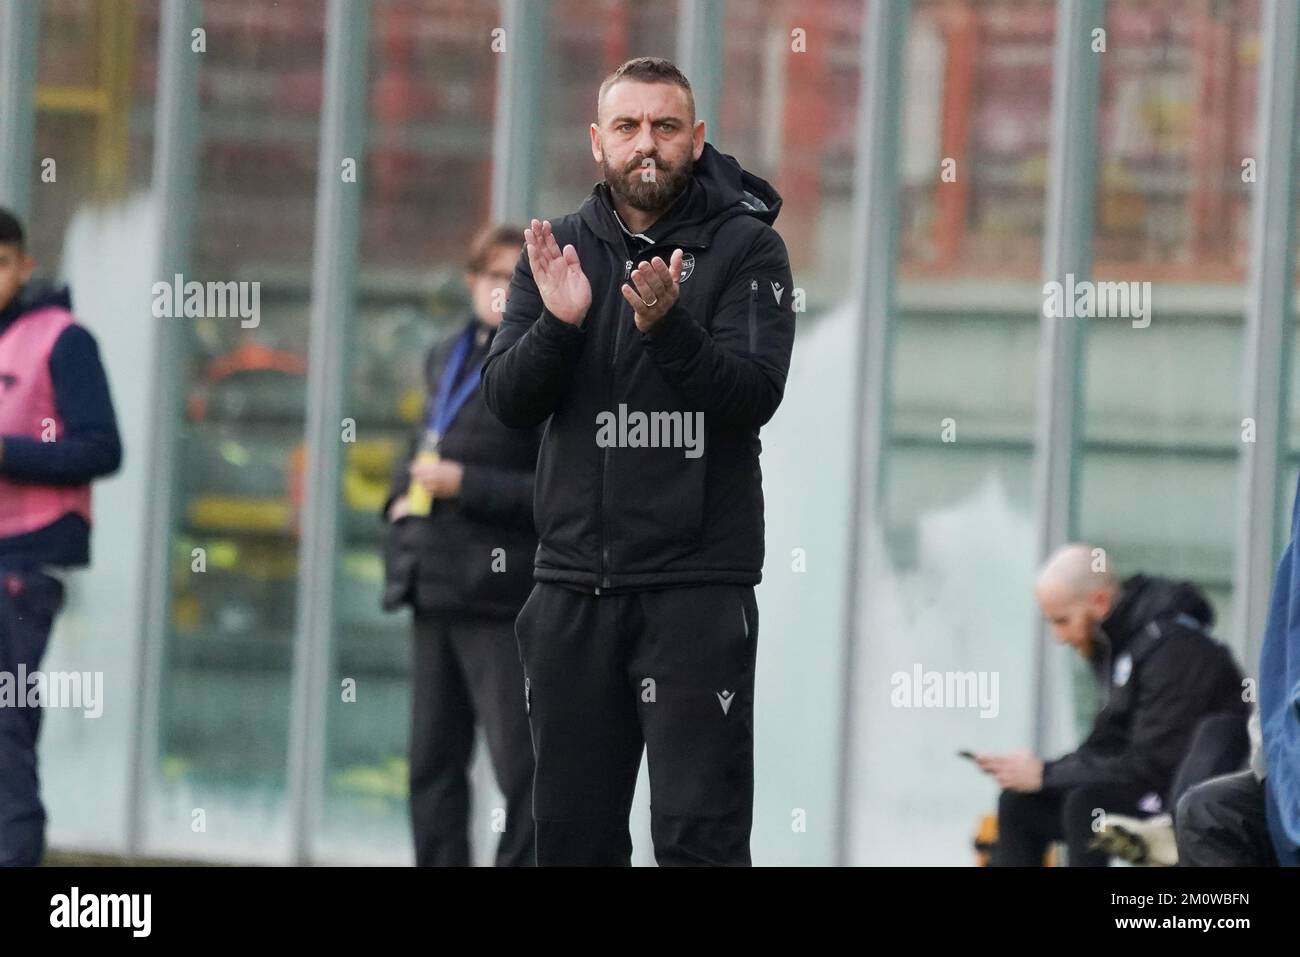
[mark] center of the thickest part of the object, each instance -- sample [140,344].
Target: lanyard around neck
[450,398]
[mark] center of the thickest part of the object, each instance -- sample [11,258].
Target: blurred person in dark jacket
[1172,710]
[58,432]
[1252,818]
[460,552]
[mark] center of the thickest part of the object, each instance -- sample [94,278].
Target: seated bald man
[1163,682]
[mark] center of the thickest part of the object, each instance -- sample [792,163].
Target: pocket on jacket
[399,564]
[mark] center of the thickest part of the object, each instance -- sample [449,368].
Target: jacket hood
[43,294]
[719,189]
[37,294]
[1146,599]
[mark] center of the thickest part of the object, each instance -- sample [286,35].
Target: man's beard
[650,195]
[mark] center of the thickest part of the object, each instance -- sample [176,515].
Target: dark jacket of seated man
[1159,672]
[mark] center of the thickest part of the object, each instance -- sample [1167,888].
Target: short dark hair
[648,69]
[11,230]
[489,238]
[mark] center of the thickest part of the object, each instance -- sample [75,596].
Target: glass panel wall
[223,726]
[1163,389]
[951,593]
[789,113]
[426,189]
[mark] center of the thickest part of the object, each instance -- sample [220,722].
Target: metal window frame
[333,299]
[875,235]
[19,59]
[1067,248]
[175,170]
[1269,328]
[700,26]
[515,131]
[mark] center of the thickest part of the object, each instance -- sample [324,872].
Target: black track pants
[670,671]
[29,602]
[1222,823]
[1028,822]
[466,672]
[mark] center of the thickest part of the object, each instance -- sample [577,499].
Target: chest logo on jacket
[688,266]
[1123,670]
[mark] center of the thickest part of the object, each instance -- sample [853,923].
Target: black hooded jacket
[615,508]
[472,554]
[1159,672]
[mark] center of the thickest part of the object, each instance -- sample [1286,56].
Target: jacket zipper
[753,316]
[1108,668]
[624,314]
[604,456]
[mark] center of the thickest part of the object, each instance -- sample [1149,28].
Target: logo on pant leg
[725,698]
[528,704]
